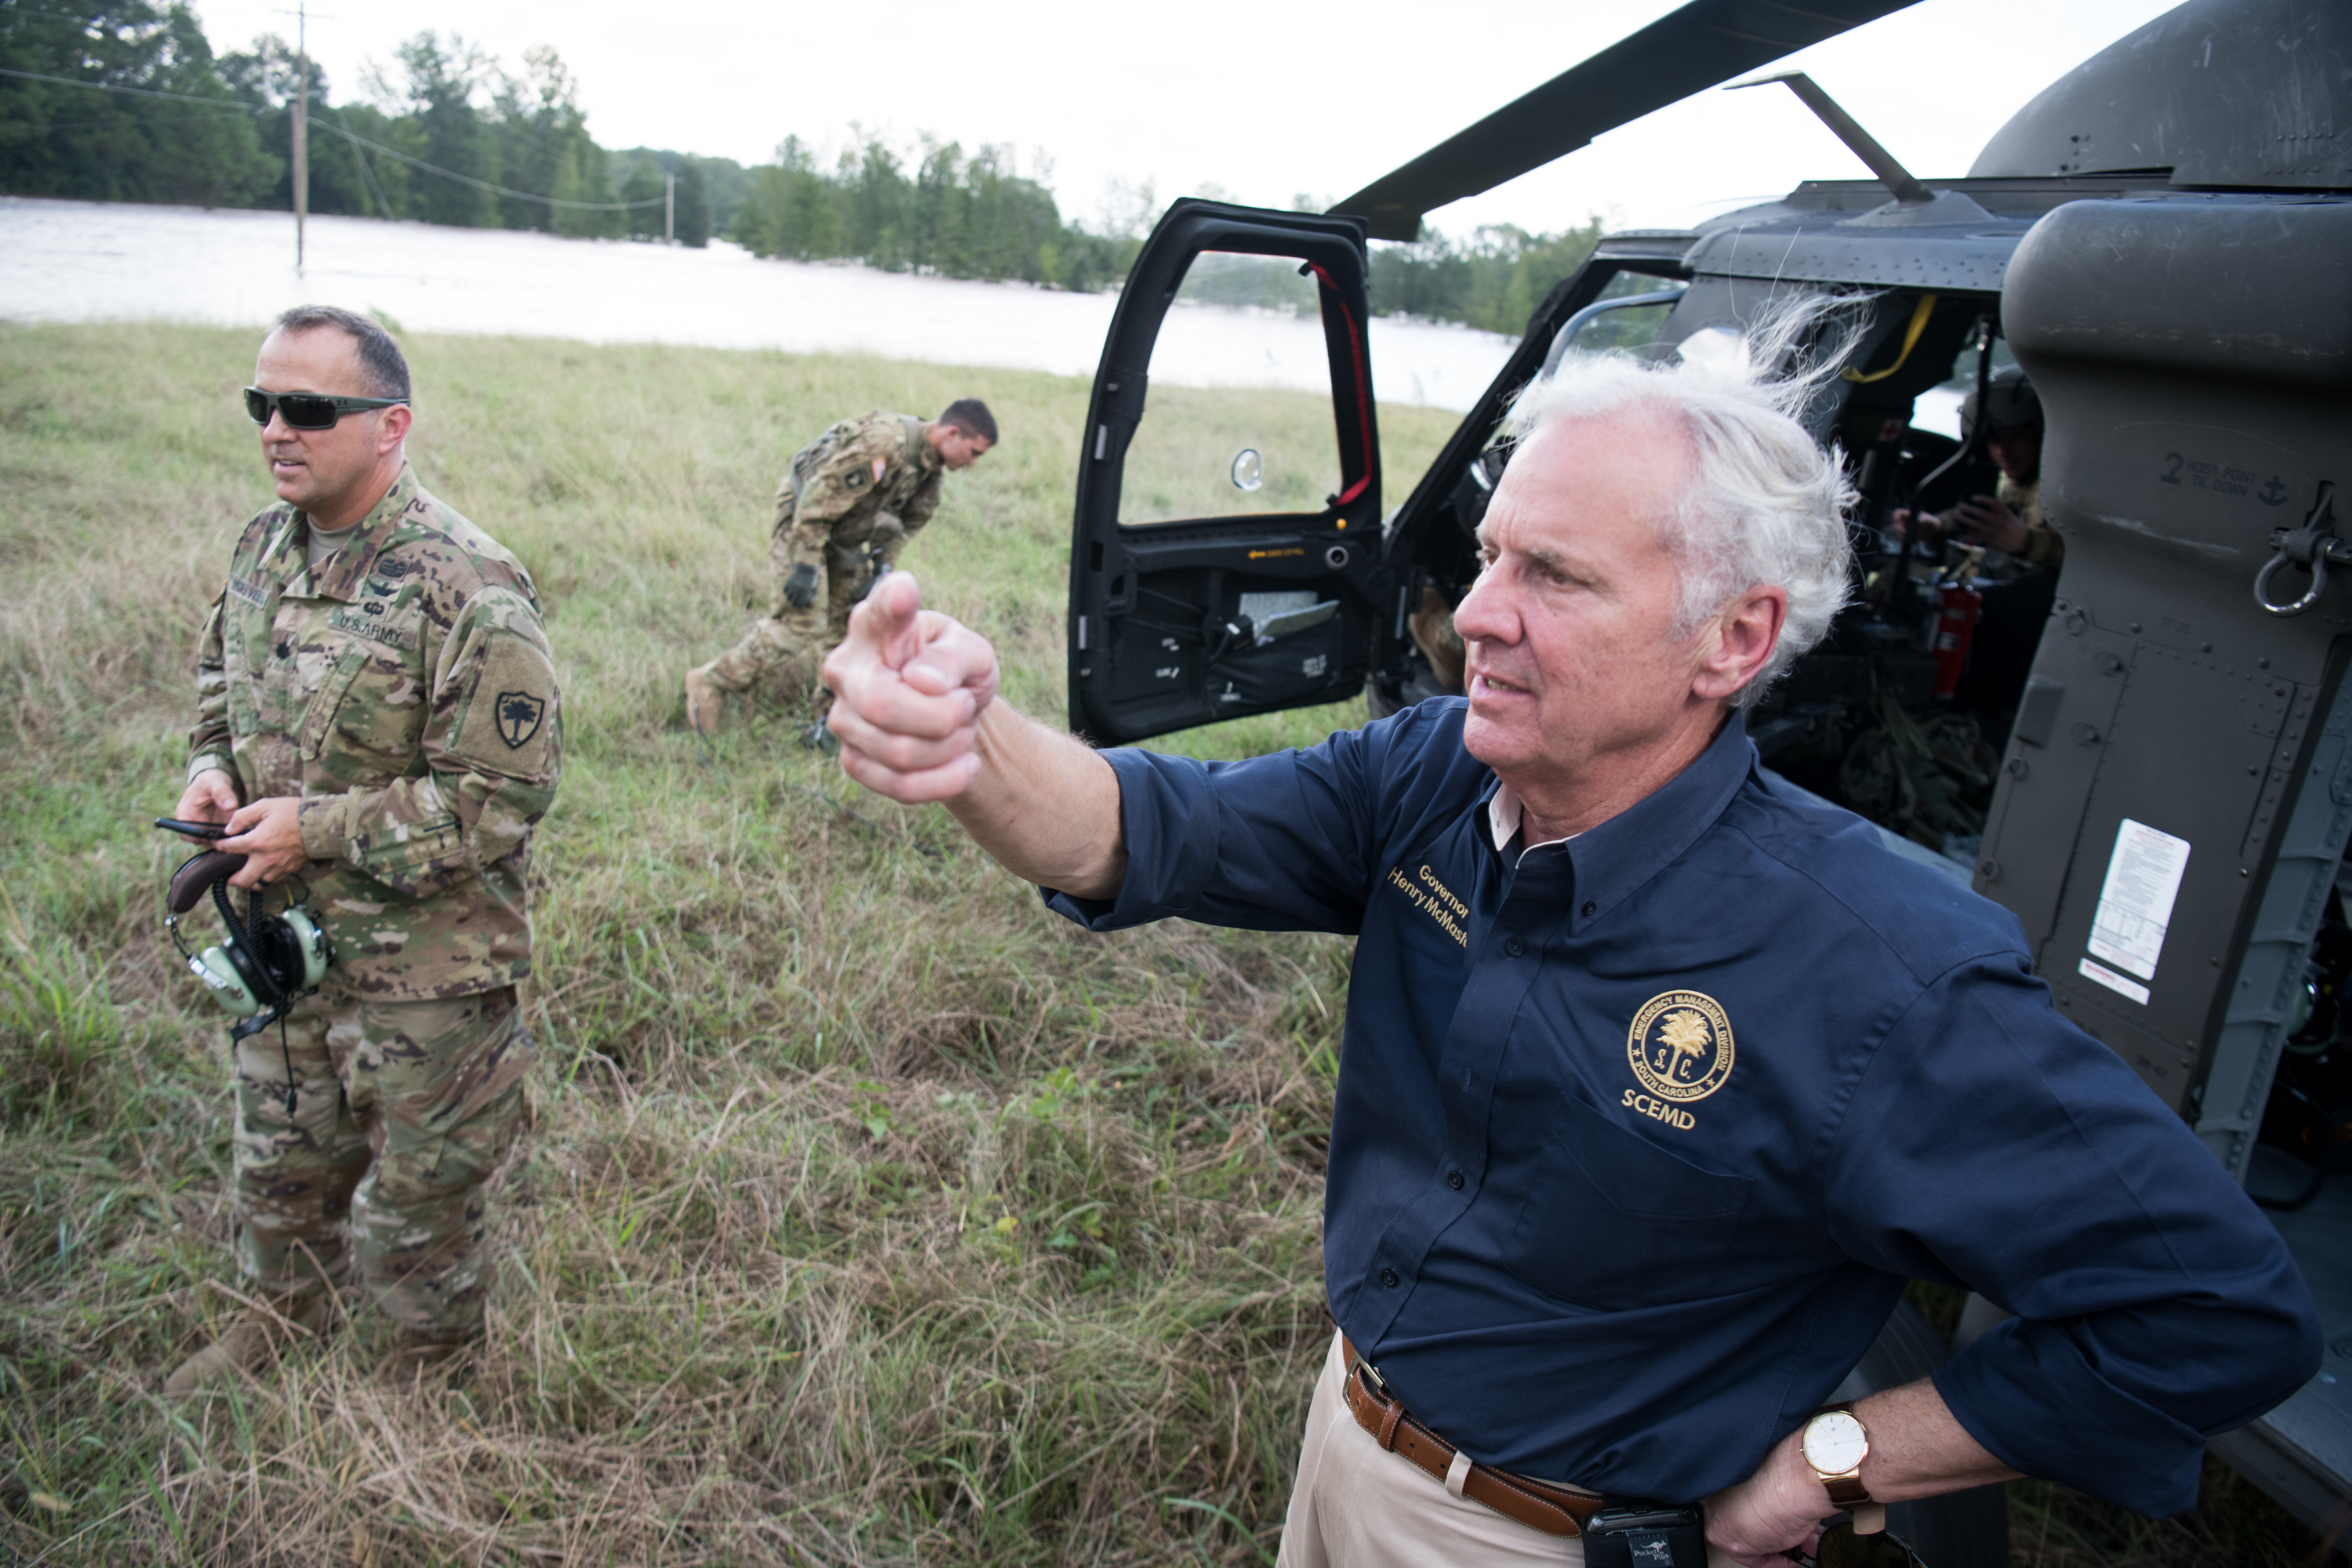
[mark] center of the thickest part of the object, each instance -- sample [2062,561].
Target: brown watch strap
[1846,1491]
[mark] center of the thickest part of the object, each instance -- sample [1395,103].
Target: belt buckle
[1374,1380]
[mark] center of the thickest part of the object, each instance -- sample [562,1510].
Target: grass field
[870,1213]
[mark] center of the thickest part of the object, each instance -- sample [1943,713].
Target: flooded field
[89,261]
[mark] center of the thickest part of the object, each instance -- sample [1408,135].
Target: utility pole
[669,209]
[301,126]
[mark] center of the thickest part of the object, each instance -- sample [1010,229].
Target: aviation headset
[269,962]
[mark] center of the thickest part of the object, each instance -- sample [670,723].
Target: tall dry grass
[869,1214]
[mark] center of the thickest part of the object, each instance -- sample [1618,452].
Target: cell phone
[1630,1533]
[193,829]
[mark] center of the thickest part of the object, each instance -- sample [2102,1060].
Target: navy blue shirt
[1639,1136]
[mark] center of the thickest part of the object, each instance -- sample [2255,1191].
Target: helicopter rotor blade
[1686,51]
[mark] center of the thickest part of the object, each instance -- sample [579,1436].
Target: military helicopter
[2162,240]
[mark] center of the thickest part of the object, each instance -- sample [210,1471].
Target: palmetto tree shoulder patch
[510,724]
[520,714]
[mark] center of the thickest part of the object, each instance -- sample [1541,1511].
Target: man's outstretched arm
[916,711]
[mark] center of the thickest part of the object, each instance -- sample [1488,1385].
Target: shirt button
[1453,1180]
[286,650]
[1589,907]
[1515,947]
[1389,1277]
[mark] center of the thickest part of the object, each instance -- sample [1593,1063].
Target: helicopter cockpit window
[1629,315]
[1238,415]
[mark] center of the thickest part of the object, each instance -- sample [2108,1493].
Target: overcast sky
[1264,101]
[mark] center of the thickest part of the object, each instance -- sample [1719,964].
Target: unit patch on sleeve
[509,723]
[1681,1050]
[519,717]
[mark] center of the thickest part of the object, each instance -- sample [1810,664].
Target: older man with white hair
[1659,1078]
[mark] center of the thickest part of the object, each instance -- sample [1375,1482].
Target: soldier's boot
[706,704]
[252,1342]
[419,1356]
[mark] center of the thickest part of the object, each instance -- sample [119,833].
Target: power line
[485,184]
[85,19]
[366,170]
[393,152]
[142,91]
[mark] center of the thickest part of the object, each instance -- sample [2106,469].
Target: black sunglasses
[310,410]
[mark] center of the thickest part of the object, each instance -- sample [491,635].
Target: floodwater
[94,261]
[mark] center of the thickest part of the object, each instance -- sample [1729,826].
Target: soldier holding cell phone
[377,716]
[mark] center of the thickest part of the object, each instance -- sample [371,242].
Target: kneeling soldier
[847,505]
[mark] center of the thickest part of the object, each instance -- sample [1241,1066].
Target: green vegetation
[60,140]
[455,121]
[870,1213]
[221,131]
[1493,281]
[943,212]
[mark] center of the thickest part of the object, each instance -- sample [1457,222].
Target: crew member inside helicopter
[2010,520]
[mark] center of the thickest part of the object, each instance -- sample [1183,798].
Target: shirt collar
[1613,860]
[918,448]
[364,541]
[1504,812]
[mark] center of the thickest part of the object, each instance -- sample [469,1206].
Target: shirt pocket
[366,721]
[1613,1221]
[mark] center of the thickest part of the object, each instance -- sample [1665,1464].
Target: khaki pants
[1355,1505]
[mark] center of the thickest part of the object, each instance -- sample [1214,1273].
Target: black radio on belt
[1630,1534]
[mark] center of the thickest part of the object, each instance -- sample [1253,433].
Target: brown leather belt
[1540,1505]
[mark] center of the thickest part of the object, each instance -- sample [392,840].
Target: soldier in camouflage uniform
[850,502]
[2009,519]
[377,715]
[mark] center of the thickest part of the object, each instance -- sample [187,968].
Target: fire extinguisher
[1955,626]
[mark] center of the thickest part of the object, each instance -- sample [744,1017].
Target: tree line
[1494,281]
[448,135]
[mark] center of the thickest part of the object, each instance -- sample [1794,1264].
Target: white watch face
[1836,1444]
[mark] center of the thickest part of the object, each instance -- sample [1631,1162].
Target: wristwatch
[1834,1443]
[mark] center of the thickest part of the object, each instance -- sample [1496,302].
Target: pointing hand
[909,685]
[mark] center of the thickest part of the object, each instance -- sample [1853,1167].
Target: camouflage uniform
[2044,546]
[407,696]
[868,482]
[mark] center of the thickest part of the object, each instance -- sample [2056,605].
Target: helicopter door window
[1237,419]
[1629,315]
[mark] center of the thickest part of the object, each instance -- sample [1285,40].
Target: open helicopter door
[1224,558]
